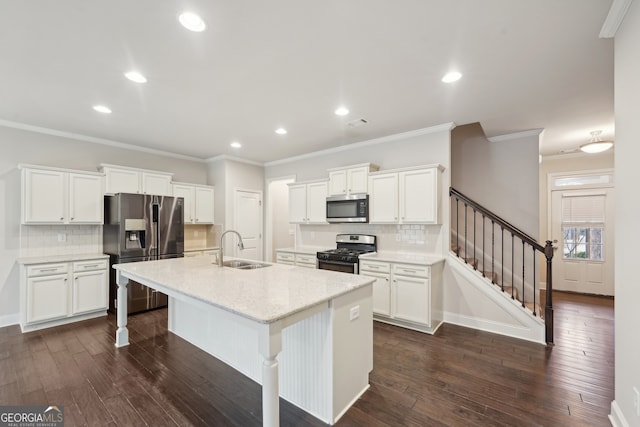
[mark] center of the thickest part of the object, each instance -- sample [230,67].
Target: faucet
[240,245]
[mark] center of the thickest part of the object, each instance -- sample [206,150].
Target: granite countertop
[264,295]
[44,259]
[205,248]
[310,250]
[404,257]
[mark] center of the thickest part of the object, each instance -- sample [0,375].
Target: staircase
[502,256]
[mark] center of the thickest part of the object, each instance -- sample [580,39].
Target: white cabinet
[121,179]
[58,196]
[198,202]
[350,180]
[407,295]
[287,258]
[90,291]
[381,287]
[57,293]
[305,260]
[307,202]
[410,196]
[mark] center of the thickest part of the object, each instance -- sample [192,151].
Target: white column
[122,333]
[270,345]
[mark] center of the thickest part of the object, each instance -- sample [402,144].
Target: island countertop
[265,295]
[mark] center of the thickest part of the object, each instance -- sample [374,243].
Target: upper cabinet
[307,203]
[408,196]
[59,196]
[120,179]
[198,202]
[350,180]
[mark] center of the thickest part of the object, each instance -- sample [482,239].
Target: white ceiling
[264,64]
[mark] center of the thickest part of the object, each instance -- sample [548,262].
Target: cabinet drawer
[282,256]
[411,270]
[47,269]
[96,264]
[306,259]
[382,267]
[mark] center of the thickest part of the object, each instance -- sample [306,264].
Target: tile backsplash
[45,240]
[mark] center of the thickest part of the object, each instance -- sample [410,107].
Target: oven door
[344,267]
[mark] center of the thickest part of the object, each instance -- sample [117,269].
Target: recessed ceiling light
[451,76]
[281,131]
[192,22]
[102,109]
[135,76]
[236,144]
[341,111]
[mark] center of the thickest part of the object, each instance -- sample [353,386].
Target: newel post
[548,310]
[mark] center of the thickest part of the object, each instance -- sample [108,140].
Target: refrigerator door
[170,226]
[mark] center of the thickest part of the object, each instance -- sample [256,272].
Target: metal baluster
[523,294]
[493,244]
[475,264]
[484,267]
[502,259]
[513,266]
[457,227]
[534,279]
[465,231]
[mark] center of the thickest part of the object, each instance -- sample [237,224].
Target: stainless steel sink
[244,265]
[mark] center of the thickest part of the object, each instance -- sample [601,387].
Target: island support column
[270,345]
[122,333]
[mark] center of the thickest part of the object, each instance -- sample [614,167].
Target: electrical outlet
[195,233]
[354,313]
[636,401]
[62,237]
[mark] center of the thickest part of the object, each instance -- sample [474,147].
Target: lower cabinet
[287,258]
[306,260]
[57,293]
[406,294]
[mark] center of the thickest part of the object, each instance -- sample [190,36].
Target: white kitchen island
[305,335]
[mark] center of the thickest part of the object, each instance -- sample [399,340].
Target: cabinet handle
[90,266]
[42,270]
[409,271]
[197,220]
[61,218]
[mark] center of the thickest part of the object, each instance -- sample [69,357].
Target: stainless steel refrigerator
[141,227]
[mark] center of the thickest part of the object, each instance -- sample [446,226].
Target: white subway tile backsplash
[44,240]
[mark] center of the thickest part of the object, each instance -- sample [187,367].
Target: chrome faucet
[240,245]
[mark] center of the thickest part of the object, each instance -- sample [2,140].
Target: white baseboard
[486,325]
[616,417]
[9,319]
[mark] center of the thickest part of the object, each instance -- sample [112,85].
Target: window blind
[583,209]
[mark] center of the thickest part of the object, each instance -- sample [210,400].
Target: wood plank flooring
[459,377]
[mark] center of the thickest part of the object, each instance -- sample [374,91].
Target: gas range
[345,257]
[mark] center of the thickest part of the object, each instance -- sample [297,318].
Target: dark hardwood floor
[459,377]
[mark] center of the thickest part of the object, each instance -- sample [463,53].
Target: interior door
[582,232]
[248,222]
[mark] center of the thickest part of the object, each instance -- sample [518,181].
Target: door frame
[551,187]
[236,190]
[268,209]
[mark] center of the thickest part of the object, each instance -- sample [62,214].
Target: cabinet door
[44,196]
[411,299]
[121,181]
[418,196]
[285,258]
[317,202]
[383,198]
[357,180]
[298,203]
[381,292]
[204,205]
[89,291]
[85,199]
[156,184]
[47,297]
[337,182]
[187,192]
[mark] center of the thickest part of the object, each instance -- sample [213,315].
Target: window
[583,227]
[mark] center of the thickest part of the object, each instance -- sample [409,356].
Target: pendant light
[596,145]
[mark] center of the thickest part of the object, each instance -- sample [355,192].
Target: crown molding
[233,158]
[445,127]
[614,18]
[516,135]
[93,140]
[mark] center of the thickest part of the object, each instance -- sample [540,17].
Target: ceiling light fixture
[451,76]
[135,76]
[281,131]
[192,22]
[102,109]
[235,144]
[341,111]
[596,145]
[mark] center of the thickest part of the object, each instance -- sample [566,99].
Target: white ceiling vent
[357,122]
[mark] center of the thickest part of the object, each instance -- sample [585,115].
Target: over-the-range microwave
[351,208]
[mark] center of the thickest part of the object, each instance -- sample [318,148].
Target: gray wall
[627,315]
[22,146]
[500,175]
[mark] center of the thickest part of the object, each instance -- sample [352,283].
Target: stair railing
[462,247]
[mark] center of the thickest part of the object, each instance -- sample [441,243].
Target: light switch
[354,313]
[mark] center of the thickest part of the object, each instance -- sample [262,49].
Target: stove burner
[349,248]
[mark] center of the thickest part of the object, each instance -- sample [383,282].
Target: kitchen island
[308,330]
